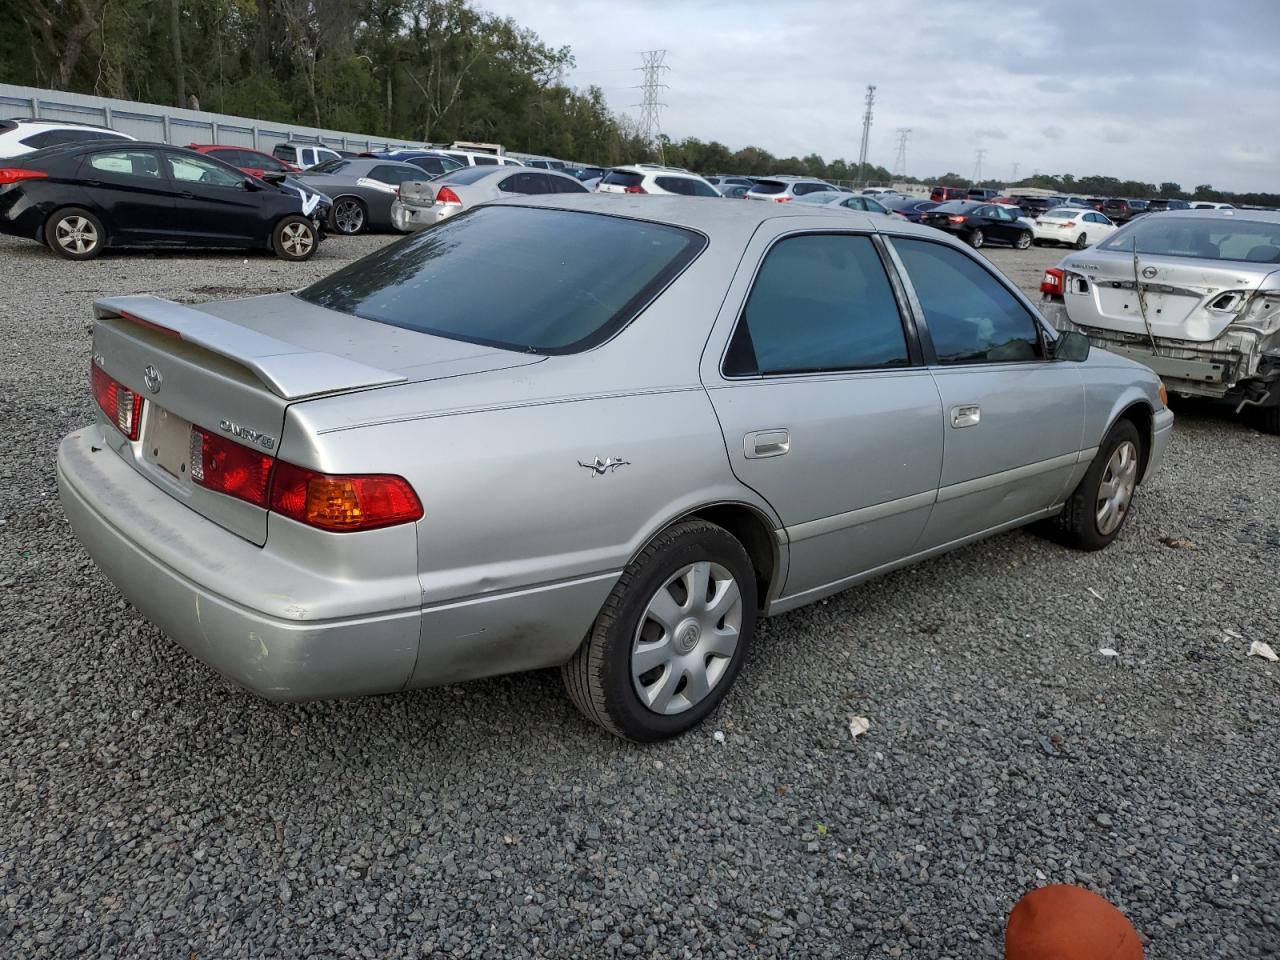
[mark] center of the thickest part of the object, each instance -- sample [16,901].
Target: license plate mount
[166,442]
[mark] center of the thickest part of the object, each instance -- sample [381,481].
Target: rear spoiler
[289,371]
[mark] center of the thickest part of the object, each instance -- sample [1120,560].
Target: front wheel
[295,238]
[1098,508]
[1024,240]
[671,638]
[75,234]
[976,239]
[349,216]
[1082,241]
[1266,419]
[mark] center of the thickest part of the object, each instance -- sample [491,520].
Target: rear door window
[526,183]
[392,174]
[686,186]
[820,302]
[129,163]
[563,185]
[570,280]
[971,317]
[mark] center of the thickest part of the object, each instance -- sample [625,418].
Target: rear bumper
[263,625]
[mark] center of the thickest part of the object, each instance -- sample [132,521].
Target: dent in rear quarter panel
[519,544]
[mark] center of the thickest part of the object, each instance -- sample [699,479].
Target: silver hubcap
[1116,490]
[977,238]
[348,216]
[76,234]
[1023,241]
[686,638]
[296,239]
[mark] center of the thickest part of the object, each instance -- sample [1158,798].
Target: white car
[476,158]
[1073,226]
[785,188]
[23,136]
[653,178]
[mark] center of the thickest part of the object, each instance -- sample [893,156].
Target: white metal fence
[156,123]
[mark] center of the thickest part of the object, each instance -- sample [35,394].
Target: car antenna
[1142,300]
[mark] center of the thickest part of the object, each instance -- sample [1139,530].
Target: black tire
[1082,241]
[1024,240]
[1077,525]
[75,233]
[976,239]
[1266,419]
[295,238]
[1038,243]
[599,679]
[349,216]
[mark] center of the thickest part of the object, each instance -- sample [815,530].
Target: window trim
[1047,335]
[915,355]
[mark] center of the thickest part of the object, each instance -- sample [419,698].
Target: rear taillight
[448,197]
[782,199]
[1069,223]
[956,218]
[118,403]
[1053,282]
[634,189]
[342,503]
[14,174]
[224,466]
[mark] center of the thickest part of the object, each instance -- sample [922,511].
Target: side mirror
[248,183]
[1071,345]
[274,176]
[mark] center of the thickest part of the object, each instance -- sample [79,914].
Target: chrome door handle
[766,443]
[966,416]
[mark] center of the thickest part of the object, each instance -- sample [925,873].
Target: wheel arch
[750,526]
[1142,416]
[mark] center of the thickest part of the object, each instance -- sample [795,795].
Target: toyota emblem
[1149,272]
[151,377]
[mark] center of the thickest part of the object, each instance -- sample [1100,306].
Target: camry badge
[151,377]
[600,467]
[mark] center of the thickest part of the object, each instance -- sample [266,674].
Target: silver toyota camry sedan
[605,434]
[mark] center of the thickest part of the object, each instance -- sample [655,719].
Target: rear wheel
[349,215]
[1098,508]
[671,637]
[75,233]
[295,238]
[1266,419]
[976,239]
[1082,241]
[1024,240]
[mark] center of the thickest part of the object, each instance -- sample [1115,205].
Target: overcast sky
[1183,90]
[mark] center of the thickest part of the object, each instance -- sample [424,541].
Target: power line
[652,67]
[866,131]
[900,164]
[977,166]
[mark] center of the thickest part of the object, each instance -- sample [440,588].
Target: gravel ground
[149,808]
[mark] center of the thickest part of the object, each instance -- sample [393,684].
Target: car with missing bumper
[1192,294]
[661,420]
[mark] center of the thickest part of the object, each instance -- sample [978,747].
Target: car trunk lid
[1182,299]
[233,368]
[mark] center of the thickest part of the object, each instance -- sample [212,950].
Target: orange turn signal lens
[1164,394]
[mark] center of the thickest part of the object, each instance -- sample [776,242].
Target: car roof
[742,219]
[45,121]
[1233,213]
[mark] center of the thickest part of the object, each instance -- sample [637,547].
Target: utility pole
[652,68]
[900,164]
[977,167]
[866,133]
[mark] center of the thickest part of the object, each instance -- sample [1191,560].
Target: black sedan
[81,199]
[363,190]
[911,208]
[977,223]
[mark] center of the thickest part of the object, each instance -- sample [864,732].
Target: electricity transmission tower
[1015,172]
[977,166]
[900,164]
[866,132]
[652,68]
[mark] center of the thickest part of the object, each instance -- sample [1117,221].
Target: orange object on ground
[1069,923]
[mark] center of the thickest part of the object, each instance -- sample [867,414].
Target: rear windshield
[466,175]
[954,206]
[330,166]
[1063,213]
[769,186]
[569,280]
[622,178]
[1205,239]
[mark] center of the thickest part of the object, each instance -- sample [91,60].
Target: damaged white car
[1193,294]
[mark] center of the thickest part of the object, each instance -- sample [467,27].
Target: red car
[253,162]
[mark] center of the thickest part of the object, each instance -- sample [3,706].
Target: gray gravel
[149,808]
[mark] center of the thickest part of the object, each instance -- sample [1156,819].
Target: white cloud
[790,77]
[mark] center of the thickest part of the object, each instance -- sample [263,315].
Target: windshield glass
[568,280]
[1204,239]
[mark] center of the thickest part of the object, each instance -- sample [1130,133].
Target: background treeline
[428,70]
